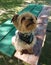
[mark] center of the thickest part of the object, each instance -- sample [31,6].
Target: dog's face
[25,22]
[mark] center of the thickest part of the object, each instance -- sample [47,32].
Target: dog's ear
[14,18]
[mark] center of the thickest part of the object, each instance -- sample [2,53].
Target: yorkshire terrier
[25,24]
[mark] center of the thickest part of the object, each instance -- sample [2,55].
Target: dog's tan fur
[21,25]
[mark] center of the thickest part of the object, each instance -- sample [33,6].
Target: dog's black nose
[31,20]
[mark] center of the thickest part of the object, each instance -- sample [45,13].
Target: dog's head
[25,22]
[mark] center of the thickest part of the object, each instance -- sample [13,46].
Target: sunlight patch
[2,11]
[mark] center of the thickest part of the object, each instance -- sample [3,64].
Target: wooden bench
[7,30]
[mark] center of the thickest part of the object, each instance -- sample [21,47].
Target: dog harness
[28,38]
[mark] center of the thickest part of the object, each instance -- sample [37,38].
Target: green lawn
[7,9]
[45,58]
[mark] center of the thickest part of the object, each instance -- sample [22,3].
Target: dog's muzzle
[30,22]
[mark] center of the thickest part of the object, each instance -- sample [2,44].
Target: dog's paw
[24,51]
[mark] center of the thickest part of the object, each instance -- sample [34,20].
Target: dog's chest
[24,41]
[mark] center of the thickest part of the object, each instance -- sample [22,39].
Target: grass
[7,9]
[45,58]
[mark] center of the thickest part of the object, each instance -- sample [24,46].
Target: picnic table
[7,31]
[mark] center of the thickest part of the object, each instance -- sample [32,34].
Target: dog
[25,38]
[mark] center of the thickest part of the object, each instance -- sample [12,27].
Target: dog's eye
[22,19]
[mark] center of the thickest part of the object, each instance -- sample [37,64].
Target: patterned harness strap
[28,38]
